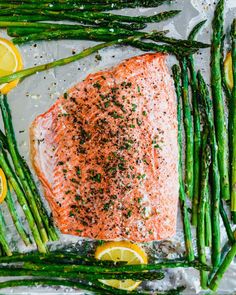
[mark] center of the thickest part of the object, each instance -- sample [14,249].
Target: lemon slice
[10,62]
[122,251]
[228,67]
[3,186]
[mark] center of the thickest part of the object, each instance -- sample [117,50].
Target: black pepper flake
[139,122]
[98,57]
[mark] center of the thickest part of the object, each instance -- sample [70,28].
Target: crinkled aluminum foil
[37,93]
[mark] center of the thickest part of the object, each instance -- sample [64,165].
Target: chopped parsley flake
[78,171]
[141,176]
[129,213]
[97,85]
[96,177]
[115,115]
[134,107]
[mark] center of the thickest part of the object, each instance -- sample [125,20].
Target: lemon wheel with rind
[10,62]
[3,186]
[122,251]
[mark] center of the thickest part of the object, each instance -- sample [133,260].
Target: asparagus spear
[16,219]
[188,127]
[138,2]
[49,26]
[226,222]
[3,140]
[24,31]
[3,223]
[60,62]
[15,271]
[115,269]
[48,224]
[147,46]
[205,164]
[216,85]
[220,271]
[3,241]
[131,40]
[15,155]
[97,288]
[208,109]
[61,258]
[4,164]
[208,229]
[19,17]
[80,7]
[228,94]
[52,282]
[197,126]
[233,105]
[125,18]
[24,18]
[105,34]
[97,34]
[186,222]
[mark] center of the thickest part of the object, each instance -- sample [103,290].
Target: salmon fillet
[106,153]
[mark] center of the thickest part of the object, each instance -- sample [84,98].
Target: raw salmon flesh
[106,153]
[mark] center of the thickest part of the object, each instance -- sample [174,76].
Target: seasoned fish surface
[107,156]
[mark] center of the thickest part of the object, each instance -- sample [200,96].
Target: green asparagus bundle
[12,179]
[197,126]
[186,222]
[13,149]
[34,200]
[216,85]
[205,164]
[208,113]
[188,128]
